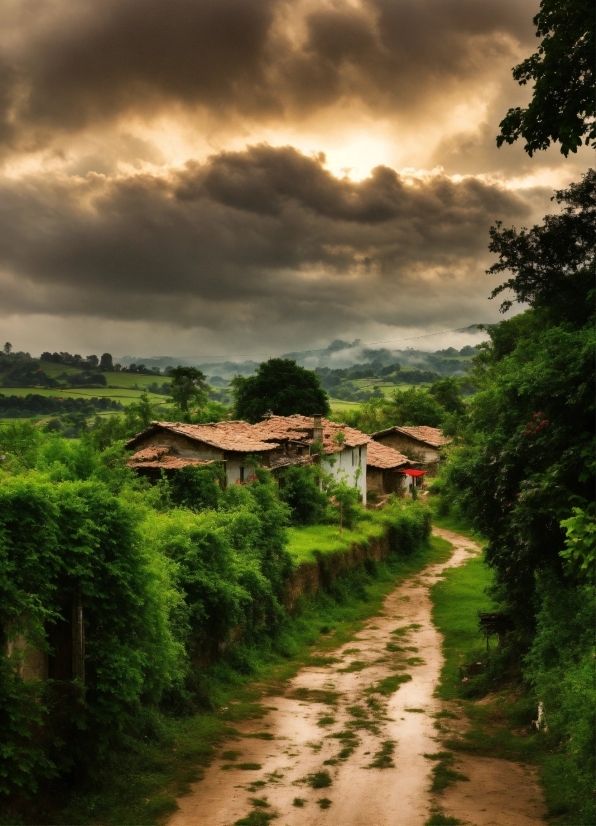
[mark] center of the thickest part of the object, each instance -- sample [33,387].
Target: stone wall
[310,577]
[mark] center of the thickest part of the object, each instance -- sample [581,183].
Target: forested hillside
[525,478]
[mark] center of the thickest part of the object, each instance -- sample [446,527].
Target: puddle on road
[358,722]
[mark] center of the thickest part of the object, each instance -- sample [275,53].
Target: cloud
[263,237]
[68,67]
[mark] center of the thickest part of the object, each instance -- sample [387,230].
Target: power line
[322,349]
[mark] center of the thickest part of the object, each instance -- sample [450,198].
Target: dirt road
[346,742]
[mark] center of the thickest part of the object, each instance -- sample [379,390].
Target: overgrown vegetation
[181,588]
[524,478]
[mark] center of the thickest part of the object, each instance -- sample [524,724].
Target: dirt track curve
[346,718]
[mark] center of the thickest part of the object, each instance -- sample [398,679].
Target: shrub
[300,490]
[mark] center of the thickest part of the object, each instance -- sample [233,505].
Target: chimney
[317,431]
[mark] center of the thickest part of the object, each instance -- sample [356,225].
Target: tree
[8,348]
[552,264]
[106,362]
[300,489]
[346,500]
[528,463]
[447,392]
[282,387]
[415,407]
[562,108]
[188,385]
[196,487]
[92,361]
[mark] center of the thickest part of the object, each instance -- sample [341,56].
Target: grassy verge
[140,786]
[306,543]
[501,725]
[457,599]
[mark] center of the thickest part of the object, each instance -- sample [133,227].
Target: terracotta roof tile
[432,436]
[299,428]
[162,457]
[384,457]
[230,436]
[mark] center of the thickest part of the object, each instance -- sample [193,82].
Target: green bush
[560,667]
[409,526]
[58,540]
[300,489]
[196,487]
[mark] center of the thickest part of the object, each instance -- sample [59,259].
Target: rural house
[388,470]
[169,446]
[276,442]
[419,444]
[344,448]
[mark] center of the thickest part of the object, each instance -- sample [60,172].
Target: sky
[218,177]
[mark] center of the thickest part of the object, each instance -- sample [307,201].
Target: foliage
[415,407]
[553,263]
[345,500]
[196,487]
[562,108]
[407,407]
[300,489]
[33,404]
[560,667]
[56,541]
[280,386]
[529,457]
[19,444]
[106,362]
[188,385]
[525,478]
[447,392]
[580,550]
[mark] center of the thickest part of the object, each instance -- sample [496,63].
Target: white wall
[347,463]
[233,470]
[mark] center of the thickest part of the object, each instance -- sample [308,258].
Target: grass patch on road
[457,599]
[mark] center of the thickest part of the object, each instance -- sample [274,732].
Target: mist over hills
[338,354]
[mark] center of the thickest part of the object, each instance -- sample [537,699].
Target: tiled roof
[161,457]
[432,436]
[384,457]
[286,460]
[299,428]
[231,436]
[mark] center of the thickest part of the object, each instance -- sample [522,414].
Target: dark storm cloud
[254,236]
[82,63]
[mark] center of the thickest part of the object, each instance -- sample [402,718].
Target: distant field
[127,380]
[53,370]
[123,395]
[368,384]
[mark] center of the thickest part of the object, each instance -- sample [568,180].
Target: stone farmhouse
[419,444]
[389,471]
[276,442]
[169,446]
[344,448]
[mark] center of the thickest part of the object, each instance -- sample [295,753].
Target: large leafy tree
[282,387]
[563,105]
[552,265]
[188,384]
[529,459]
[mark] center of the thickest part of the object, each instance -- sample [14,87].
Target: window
[360,456]
[241,474]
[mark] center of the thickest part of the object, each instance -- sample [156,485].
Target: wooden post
[78,638]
